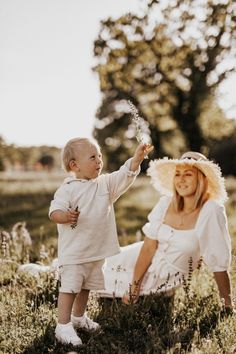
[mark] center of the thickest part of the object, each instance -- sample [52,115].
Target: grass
[191,322]
[27,198]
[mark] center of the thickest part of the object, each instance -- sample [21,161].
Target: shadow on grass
[149,326]
[45,344]
[137,328]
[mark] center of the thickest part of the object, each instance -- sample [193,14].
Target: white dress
[178,252]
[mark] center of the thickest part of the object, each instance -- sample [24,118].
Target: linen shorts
[75,277]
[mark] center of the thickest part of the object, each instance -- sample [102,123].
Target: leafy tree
[224,154]
[2,143]
[169,62]
[47,161]
[25,158]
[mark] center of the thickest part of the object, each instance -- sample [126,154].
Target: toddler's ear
[73,165]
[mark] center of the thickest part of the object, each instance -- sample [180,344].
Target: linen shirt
[95,236]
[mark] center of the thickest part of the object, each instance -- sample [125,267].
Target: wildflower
[21,242]
[140,124]
[199,263]
[20,233]
[43,254]
[73,226]
[5,238]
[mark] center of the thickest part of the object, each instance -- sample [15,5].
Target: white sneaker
[84,322]
[66,334]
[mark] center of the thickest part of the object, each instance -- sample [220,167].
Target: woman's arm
[215,247]
[223,282]
[143,262]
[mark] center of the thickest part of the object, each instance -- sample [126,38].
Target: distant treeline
[37,158]
[20,158]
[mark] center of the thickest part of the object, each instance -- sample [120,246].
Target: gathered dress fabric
[178,252]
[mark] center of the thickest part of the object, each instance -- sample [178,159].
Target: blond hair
[200,197]
[71,150]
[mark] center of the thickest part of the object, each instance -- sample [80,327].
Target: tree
[169,62]
[224,154]
[25,158]
[47,162]
[2,143]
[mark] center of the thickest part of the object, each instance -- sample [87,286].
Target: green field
[28,305]
[26,197]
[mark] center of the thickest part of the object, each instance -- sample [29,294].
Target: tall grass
[190,322]
[187,323]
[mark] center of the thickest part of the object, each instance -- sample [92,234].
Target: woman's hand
[131,296]
[224,286]
[227,311]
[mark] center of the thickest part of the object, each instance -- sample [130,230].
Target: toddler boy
[83,210]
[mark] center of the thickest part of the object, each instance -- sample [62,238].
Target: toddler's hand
[142,151]
[140,154]
[72,216]
[147,149]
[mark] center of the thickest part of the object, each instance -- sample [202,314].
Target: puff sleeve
[155,218]
[214,238]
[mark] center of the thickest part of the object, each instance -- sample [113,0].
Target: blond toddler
[83,210]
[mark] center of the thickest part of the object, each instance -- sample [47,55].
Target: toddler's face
[88,161]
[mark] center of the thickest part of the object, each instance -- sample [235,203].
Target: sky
[48,92]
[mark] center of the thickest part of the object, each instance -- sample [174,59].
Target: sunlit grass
[189,323]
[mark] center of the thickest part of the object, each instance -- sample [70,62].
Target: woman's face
[185,180]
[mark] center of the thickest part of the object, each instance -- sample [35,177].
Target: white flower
[141,126]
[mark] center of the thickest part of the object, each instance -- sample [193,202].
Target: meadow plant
[191,321]
[141,126]
[5,240]
[14,250]
[188,321]
[43,255]
[20,242]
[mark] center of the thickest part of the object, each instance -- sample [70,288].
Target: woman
[186,225]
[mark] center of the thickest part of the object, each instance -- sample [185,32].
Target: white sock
[64,324]
[78,317]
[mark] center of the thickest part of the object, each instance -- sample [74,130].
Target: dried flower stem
[138,122]
[136,119]
[73,226]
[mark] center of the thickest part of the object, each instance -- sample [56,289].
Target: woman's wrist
[227,302]
[134,288]
[131,296]
[228,306]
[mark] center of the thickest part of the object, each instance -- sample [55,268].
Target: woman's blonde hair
[201,194]
[71,150]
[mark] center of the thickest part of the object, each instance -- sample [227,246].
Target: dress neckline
[192,229]
[173,228]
